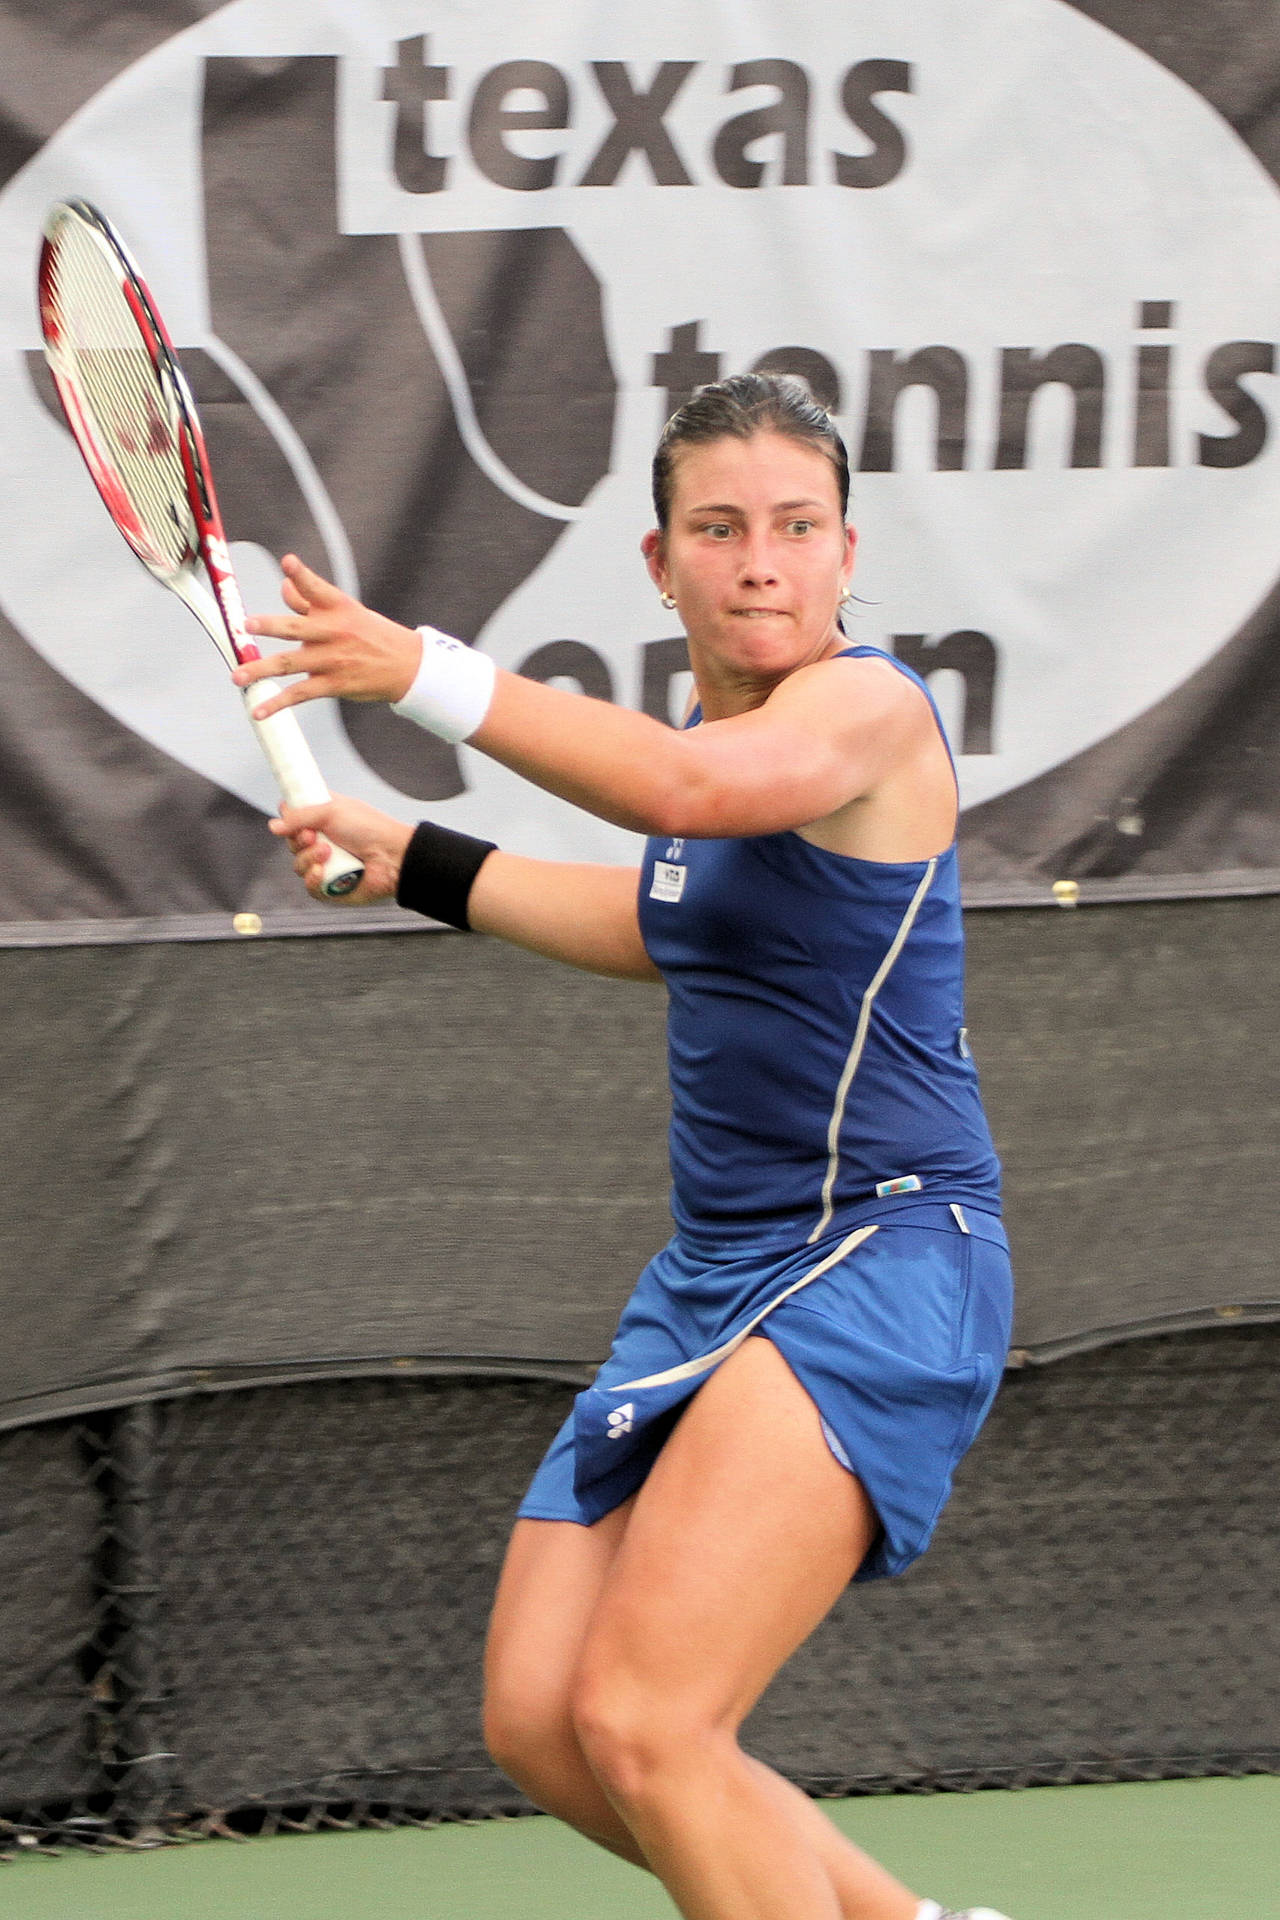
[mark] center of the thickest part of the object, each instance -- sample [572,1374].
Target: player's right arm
[582,914]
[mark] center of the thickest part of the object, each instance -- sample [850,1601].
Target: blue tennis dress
[834,1183]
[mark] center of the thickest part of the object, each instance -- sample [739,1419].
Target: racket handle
[299,779]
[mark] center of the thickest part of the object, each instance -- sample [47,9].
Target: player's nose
[758,564]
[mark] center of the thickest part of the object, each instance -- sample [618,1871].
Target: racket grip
[299,779]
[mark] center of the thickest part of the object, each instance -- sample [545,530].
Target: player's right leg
[551,1581]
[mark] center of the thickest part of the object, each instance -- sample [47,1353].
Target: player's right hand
[372,836]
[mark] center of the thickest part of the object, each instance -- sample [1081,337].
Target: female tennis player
[799,1370]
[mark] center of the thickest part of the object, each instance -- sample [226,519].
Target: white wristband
[451,690]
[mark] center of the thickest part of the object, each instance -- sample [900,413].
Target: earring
[667,601]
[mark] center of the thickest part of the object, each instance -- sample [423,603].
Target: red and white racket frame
[218,607]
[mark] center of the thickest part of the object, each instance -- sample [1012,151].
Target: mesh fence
[265,1608]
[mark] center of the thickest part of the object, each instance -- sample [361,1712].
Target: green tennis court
[1172,1850]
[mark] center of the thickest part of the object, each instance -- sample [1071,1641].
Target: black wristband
[438,872]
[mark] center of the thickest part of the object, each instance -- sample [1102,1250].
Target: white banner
[441,271]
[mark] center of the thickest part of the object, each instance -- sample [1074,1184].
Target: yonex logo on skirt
[621,1421]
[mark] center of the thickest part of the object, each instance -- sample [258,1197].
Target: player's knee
[635,1741]
[615,1735]
[525,1733]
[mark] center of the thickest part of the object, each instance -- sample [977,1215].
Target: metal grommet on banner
[1067,892]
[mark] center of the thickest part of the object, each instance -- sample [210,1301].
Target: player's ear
[850,550]
[653,549]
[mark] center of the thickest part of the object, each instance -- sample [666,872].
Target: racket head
[133,418]
[118,384]
[132,414]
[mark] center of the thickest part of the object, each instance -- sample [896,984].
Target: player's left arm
[828,734]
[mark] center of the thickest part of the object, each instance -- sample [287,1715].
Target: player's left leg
[743,1536]
[551,1582]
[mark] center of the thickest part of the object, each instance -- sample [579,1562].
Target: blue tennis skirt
[896,1323]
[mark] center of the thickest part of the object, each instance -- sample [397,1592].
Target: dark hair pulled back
[738,408]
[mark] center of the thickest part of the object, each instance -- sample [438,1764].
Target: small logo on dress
[621,1421]
[668,881]
[909,1183]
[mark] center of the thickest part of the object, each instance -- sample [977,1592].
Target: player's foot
[930,1910]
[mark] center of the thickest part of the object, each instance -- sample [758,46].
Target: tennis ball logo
[994,240]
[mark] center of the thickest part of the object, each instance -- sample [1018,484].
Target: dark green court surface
[1175,1850]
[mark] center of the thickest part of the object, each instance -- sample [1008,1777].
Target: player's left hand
[342,649]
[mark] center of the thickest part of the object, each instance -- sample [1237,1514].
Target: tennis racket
[132,416]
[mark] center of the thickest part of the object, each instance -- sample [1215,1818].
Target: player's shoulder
[857,657]
[865,681]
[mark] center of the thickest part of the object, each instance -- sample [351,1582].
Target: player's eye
[800,526]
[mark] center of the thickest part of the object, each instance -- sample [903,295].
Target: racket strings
[121,392]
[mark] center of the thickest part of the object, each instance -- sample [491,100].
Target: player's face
[756,555]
